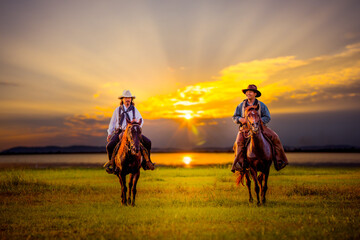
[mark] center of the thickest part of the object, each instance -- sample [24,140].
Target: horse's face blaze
[135,138]
[254,121]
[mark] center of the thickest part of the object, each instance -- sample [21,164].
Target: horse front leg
[122,180]
[135,180]
[260,181]
[264,188]
[130,188]
[257,188]
[248,184]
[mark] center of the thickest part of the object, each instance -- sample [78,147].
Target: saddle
[144,162]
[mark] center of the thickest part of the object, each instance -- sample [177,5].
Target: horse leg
[261,184]
[248,184]
[130,188]
[135,180]
[122,179]
[264,188]
[257,188]
[260,181]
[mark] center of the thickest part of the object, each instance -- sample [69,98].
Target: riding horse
[259,155]
[128,160]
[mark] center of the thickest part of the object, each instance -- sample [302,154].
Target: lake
[179,159]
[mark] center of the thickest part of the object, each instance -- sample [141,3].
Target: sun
[187,160]
[188,116]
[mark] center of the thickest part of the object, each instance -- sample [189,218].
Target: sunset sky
[64,63]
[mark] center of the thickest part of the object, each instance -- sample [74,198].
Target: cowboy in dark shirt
[239,118]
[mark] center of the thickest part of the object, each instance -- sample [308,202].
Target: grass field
[179,203]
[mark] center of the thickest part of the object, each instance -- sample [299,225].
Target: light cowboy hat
[126,93]
[252,87]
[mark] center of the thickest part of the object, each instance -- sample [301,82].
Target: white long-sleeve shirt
[115,121]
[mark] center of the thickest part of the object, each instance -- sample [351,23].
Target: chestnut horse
[259,155]
[128,160]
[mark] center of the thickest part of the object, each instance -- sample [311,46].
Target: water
[183,159]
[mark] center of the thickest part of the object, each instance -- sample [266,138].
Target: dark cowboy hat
[252,87]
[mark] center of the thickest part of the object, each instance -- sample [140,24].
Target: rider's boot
[238,164]
[280,160]
[149,164]
[240,150]
[110,166]
[145,151]
[146,162]
[111,148]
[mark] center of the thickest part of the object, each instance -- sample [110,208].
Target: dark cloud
[8,84]
[323,128]
[322,99]
[61,130]
[326,128]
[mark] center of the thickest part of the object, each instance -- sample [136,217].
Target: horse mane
[253,107]
[124,141]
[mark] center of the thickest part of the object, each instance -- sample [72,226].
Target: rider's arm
[237,114]
[112,124]
[138,117]
[265,114]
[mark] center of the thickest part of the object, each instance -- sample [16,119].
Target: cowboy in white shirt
[118,124]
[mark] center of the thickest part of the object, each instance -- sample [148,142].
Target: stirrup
[110,170]
[280,166]
[150,165]
[107,164]
[238,167]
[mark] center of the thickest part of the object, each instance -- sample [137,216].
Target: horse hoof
[133,204]
[259,204]
[251,200]
[129,201]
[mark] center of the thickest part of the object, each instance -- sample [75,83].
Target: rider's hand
[242,120]
[108,138]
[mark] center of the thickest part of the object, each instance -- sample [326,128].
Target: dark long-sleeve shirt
[239,112]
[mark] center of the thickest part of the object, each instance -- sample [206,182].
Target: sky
[63,65]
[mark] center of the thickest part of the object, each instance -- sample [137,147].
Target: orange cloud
[282,77]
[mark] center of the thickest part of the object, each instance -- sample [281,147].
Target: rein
[129,138]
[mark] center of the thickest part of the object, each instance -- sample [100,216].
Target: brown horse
[128,160]
[259,155]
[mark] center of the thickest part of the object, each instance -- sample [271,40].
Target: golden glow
[204,82]
[187,160]
[278,78]
[188,116]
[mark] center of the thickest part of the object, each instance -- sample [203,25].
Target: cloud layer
[285,82]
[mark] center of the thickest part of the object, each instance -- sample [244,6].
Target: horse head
[134,135]
[253,119]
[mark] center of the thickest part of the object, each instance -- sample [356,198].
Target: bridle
[130,137]
[255,126]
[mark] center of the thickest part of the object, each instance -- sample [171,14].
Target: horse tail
[240,178]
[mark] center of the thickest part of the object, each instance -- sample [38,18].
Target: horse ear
[140,121]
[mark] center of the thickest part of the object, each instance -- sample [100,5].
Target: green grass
[179,203]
